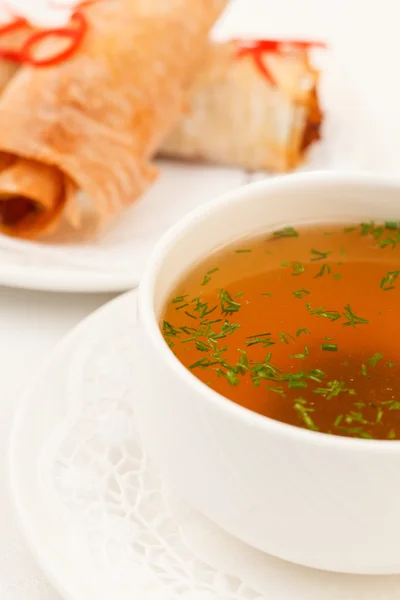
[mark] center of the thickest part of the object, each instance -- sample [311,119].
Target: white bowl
[310,498]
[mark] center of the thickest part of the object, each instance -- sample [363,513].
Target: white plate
[114,261]
[95,512]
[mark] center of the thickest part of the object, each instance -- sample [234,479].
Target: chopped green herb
[390,364]
[300,293]
[338,420]
[304,414]
[229,375]
[302,330]
[388,280]
[298,268]
[170,330]
[283,337]
[267,294]
[276,389]
[337,276]
[228,304]
[392,224]
[329,347]
[206,280]
[391,435]
[261,338]
[364,370]
[182,306]
[333,389]
[294,383]
[352,319]
[349,229]
[374,359]
[285,232]
[243,250]
[321,312]
[379,415]
[301,355]
[356,417]
[318,255]
[324,269]
[179,299]
[202,346]
[188,314]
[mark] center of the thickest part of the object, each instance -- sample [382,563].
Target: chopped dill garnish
[207,277]
[374,359]
[322,312]
[260,338]
[285,232]
[302,330]
[188,314]
[301,355]
[276,389]
[388,280]
[390,364]
[298,268]
[324,269]
[329,347]
[179,299]
[337,276]
[364,370]
[333,389]
[304,413]
[300,293]
[228,304]
[268,295]
[338,420]
[182,306]
[283,337]
[243,250]
[392,224]
[318,255]
[352,318]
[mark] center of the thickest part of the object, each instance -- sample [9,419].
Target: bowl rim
[148,318]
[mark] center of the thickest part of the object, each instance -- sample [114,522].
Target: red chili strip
[75,35]
[26,54]
[258,48]
[18,23]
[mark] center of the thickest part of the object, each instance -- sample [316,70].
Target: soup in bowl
[269,367]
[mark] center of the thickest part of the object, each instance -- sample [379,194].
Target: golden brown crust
[99,117]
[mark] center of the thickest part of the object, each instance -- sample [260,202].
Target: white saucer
[95,512]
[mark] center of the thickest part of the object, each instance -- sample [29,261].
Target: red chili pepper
[26,54]
[258,48]
[18,23]
[75,35]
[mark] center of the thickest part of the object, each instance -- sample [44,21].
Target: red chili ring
[257,48]
[74,34]
[18,23]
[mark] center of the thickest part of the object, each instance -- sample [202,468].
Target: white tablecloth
[31,324]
